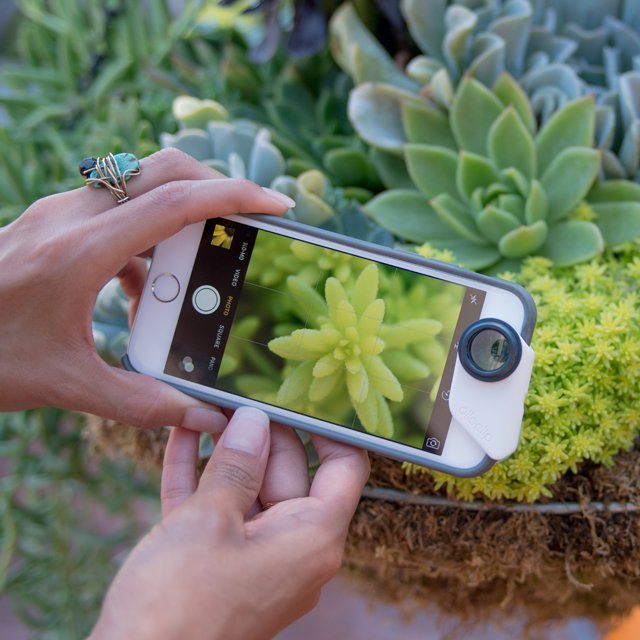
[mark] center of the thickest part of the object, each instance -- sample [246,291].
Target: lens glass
[489,349]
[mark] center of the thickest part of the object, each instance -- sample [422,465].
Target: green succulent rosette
[492,187]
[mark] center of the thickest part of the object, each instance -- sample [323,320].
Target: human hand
[218,566]
[56,257]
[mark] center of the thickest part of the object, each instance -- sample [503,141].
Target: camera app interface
[356,342]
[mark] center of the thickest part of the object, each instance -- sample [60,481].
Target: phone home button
[165,287]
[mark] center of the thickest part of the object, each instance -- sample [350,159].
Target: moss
[586,379]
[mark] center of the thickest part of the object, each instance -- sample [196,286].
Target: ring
[111,172]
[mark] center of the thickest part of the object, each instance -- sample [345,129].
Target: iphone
[412,358]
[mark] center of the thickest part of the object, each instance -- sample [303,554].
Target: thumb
[136,399]
[234,474]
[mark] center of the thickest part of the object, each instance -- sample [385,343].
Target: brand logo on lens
[470,419]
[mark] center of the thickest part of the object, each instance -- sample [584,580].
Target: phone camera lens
[490,349]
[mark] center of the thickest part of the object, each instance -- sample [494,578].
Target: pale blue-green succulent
[557,50]
[494,188]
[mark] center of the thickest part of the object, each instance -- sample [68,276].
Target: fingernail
[206,420]
[247,431]
[280,197]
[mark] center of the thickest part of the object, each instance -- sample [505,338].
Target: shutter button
[165,287]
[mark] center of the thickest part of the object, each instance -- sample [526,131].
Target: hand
[57,256]
[218,566]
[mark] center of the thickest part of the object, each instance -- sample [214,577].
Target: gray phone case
[344,434]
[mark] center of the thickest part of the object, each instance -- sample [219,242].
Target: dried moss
[479,566]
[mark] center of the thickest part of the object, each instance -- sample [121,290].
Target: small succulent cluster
[584,393]
[493,188]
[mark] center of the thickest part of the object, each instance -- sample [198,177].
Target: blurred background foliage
[81,78]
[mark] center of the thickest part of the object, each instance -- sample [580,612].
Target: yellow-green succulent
[585,389]
[344,354]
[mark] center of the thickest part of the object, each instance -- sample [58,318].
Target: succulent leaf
[509,92]
[473,172]
[511,145]
[618,221]
[494,223]
[572,126]
[473,112]
[573,241]
[408,215]
[568,179]
[523,241]
[424,124]
[433,169]
[376,113]
[537,206]
[456,215]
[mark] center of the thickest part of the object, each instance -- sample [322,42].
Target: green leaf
[537,205]
[615,191]
[407,215]
[473,172]
[424,124]
[511,145]
[375,111]
[307,297]
[572,242]
[495,223]
[618,221]
[473,112]
[296,384]
[432,169]
[457,216]
[350,167]
[568,180]
[391,169]
[326,365]
[365,289]
[382,379]
[572,126]
[469,254]
[405,366]
[512,203]
[524,240]
[510,93]
[360,54]
[321,387]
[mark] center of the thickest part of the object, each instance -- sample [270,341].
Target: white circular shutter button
[165,287]
[206,299]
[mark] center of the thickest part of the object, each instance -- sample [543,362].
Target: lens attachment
[490,349]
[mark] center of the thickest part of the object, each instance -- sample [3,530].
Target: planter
[571,555]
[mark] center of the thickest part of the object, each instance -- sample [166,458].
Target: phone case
[345,435]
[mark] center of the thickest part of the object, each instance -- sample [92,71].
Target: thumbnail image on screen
[320,332]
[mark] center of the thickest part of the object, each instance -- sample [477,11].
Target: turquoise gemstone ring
[111,172]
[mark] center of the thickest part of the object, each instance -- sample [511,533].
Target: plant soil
[479,565]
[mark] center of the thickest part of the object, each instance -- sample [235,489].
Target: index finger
[342,474]
[143,222]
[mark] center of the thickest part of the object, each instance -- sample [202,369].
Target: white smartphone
[415,359]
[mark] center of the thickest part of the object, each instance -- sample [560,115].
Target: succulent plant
[239,149]
[111,322]
[557,50]
[584,393]
[494,189]
[342,352]
[243,149]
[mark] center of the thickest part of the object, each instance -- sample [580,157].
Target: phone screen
[321,332]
